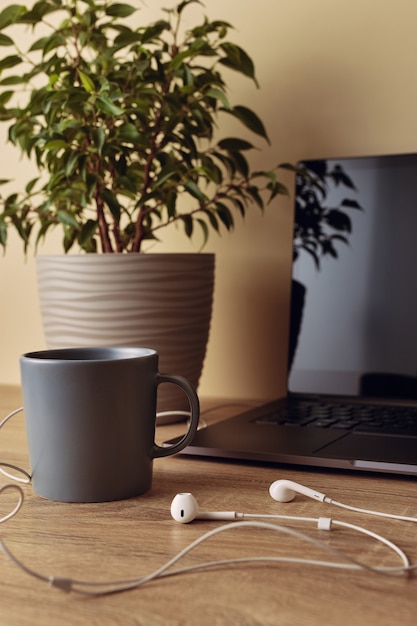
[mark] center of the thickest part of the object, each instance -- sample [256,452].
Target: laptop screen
[354,289]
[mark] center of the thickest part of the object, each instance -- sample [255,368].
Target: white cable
[370,533]
[10,415]
[18,505]
[346,562]
[27,478]
[173,413]
[369,512]
[201,422]
[125,585]
[327,523]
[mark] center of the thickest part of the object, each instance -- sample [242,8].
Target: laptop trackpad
[387,449]
[231,437]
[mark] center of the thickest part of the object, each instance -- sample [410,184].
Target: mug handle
[186,386]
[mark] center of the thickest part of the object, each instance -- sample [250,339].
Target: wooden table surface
[131,538]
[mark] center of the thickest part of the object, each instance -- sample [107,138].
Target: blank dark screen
[358,331]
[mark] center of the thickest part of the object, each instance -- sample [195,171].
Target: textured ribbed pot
[160,301]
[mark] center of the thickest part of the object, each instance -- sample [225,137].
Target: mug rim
[98,354]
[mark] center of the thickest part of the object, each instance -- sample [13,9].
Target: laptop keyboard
[360,418]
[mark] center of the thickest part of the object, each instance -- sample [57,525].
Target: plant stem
[102,224]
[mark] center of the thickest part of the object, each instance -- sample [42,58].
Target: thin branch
[103,228]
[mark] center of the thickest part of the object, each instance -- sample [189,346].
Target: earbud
[184,509]
[285,490]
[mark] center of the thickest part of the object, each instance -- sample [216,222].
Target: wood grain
[133,537]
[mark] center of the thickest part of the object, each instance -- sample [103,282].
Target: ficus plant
[120,123]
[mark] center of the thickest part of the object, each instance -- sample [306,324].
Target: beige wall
[337,78]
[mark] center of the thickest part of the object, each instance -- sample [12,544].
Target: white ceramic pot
[160,301]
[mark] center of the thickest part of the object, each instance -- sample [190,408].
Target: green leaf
[239,205]
[218,94]
[180,8]
[39,44]
[106,106]
[126,38]
[128,132]
[195,190]
[5,97]
[249,119]
[99,137]
[212,171]
[225,215]
[10,14]
[5,40]
[256,196]
[71,163]
[164,177]
[13,80]
[31,185]
[9,61]
[276,188]
[241,163]
[192,50]
[88,231]
[38,11]
[205,230]
[68,241]
[56,144]
[212,219]
[171,204]
[112,202]
[3,234]
[120,10]
[152,33]
[232,144]
[86,82]
[237,59]
[46,44]
[187,220]
[67,218]
[227,162]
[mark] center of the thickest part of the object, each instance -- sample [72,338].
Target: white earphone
[184,507]
[285,490]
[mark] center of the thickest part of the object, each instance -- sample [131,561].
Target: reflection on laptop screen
[358,332]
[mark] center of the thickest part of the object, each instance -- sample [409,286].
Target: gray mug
[90,421]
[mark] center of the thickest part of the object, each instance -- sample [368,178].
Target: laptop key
[346,424]
[358,418]
[322,423]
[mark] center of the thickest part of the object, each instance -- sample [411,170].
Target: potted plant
[319,224]
[119,121]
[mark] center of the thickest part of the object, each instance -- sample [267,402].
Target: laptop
[352,368]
